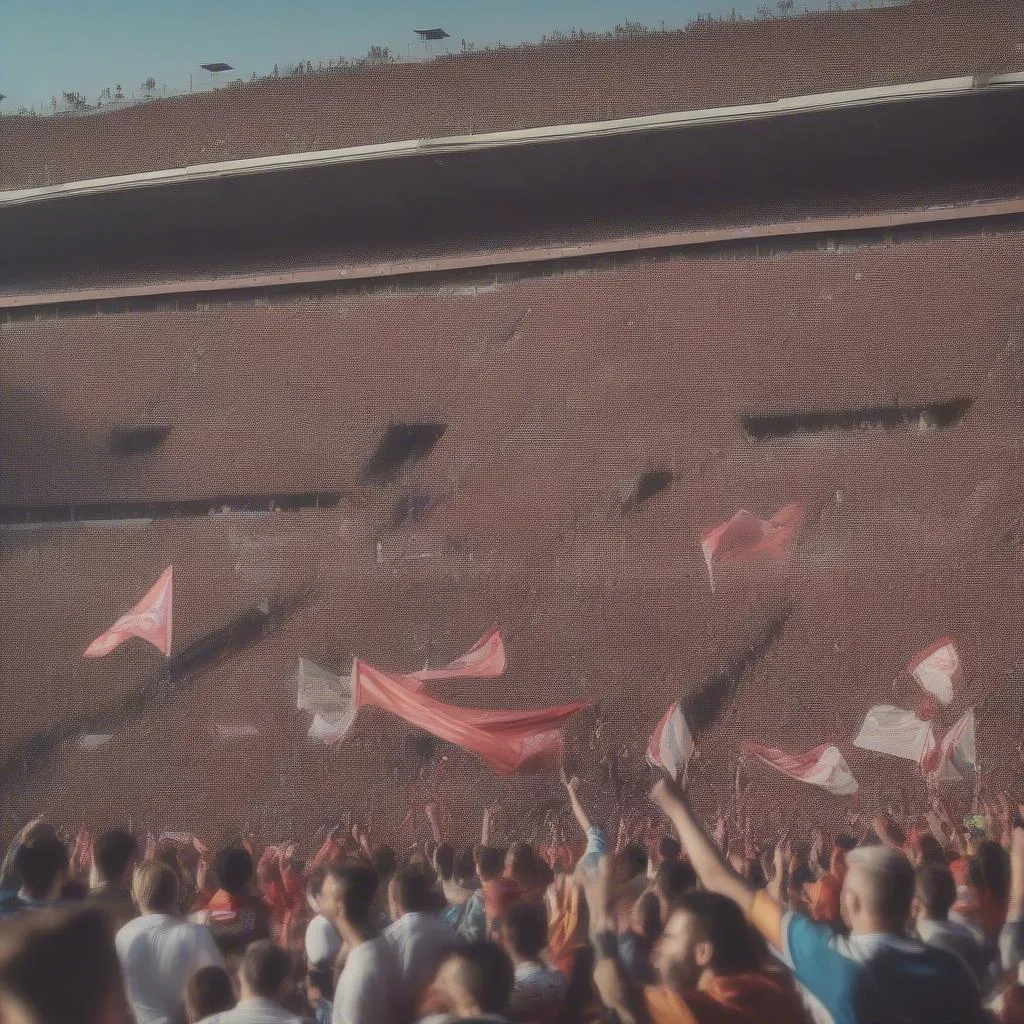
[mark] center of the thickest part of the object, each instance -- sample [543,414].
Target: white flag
[329,697]
[891,730]
[938,669]
[671,745]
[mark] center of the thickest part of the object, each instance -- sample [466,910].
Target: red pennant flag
[149,620]
[938,670]
[508,741]
[823,766]
[746,540]
[484,660]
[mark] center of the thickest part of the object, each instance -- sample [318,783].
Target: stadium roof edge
[526,136]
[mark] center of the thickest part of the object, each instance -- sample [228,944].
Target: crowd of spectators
[915,922]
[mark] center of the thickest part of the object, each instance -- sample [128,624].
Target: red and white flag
[891,730]
[484,660]
[671,745]
[150,620]
[938,669]
[746,540]
[507,741]
[823,766]
[956,757]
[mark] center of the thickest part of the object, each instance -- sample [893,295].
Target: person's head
[674,878]
[314,885]
[846,842]
[43,865]
[155,888]
[645,917]
[669,850]
[476,979]
[490,862]
[927,850]
[524,931]
[208,991]
[234,869]
[989,870]
[521,864]
[347,893]
[61,967]
[934,892]
[631,862]
[465,868]
[444,861]
[319,983]
[114,855]
[877,891]
[385,863]
[706,935]
[265,972]
[411,891]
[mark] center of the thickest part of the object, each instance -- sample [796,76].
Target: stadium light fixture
[216,67]
[431,33]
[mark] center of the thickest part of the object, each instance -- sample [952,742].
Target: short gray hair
[889,878]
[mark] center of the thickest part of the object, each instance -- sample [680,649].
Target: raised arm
[887,832]
[572,788]
[486,828]
[1011,939]
[1015,907]
[780,874]
[433,813]
[611,979]
[711,867]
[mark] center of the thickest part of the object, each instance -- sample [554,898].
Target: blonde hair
[155,887]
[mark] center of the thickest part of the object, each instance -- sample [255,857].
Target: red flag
[484,660]
[937,669]
[149,620]
[505,740]
[823,766]
[746,540]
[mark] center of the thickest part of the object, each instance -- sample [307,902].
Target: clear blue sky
[49,46]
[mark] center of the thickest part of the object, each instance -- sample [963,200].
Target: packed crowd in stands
[917,922]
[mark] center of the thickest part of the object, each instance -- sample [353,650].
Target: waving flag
[329,697]
[484,660]
[746,540]
[938,669]
[956,757]
[891,730]
[507,741]
[823,766]
[149,620]
[671,745]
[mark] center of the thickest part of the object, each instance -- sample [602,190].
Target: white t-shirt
[322,940]
[537,994]
[158,955]
[369,990]
[254,1011]
[420,942]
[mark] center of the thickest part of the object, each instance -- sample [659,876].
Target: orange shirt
[757,997]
